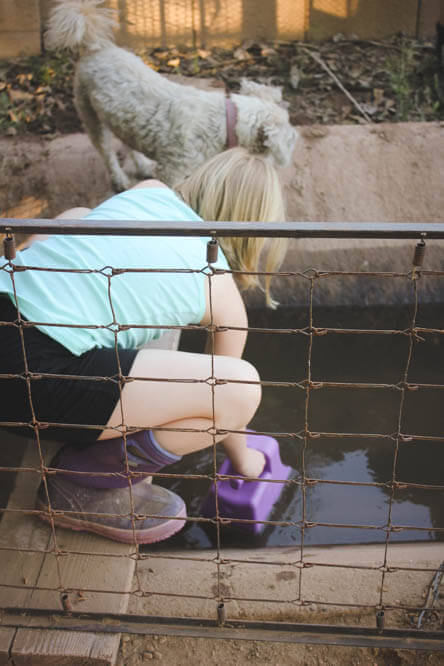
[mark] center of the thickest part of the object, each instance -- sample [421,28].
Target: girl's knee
[244,371]
[242,392]
[253,386]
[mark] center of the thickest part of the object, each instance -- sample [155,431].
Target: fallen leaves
[36,93]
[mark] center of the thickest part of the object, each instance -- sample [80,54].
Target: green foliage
[414,82]
[400,70]
[52,68]
[4,105]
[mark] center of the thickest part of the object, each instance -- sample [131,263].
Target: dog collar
[231,113]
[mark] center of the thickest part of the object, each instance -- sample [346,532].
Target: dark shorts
[64,400]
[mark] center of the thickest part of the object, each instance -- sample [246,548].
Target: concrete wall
[20,27]
[156,23]
[388,172]
[368,19]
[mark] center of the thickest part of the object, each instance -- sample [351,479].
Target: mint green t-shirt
[82,299]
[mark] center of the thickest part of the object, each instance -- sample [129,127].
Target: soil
[177,651]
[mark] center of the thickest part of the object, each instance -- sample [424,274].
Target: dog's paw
[120,182]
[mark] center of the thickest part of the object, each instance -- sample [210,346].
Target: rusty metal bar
[412,230]
[282,632]
[432,595]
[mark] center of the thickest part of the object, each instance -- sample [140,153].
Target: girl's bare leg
[191,402]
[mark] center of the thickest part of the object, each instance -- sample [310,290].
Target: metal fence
[219,624]
[206,22]
[203,23]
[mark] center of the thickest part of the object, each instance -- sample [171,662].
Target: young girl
[90,324]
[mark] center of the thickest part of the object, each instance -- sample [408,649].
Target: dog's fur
[176,125]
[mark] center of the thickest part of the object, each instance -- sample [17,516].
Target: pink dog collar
[231,113]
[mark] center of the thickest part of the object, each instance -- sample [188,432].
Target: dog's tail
[80,25]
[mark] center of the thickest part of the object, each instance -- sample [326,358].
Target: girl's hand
[251,464]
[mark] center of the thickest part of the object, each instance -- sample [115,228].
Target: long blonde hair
[239,186]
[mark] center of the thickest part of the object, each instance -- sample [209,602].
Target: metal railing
[221,625]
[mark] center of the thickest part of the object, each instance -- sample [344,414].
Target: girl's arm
[227,309]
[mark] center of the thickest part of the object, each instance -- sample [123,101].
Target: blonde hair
[239,186]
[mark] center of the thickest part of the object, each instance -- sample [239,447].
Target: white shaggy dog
[178,126]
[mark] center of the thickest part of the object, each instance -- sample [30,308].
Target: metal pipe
[402,230]
[285,632]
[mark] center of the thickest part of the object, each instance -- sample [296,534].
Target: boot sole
[149,535]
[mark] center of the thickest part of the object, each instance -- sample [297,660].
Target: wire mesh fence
[296,566]
[201,23]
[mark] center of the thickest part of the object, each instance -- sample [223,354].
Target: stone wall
[199,23]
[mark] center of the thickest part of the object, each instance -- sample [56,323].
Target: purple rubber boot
[146,515]
[108,457]
[82,499]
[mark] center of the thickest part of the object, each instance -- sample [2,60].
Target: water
[341,358]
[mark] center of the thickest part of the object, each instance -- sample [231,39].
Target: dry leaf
[268,52]
[19,96]
[332,65]
[295,76]
[241,54]
[378,95]
[355,71]
[370,109]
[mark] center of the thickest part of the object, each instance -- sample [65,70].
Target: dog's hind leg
[102,138]
[145,167]
[119,179]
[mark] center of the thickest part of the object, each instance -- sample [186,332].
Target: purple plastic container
[249,500]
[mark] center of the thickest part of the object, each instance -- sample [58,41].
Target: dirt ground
[177,651]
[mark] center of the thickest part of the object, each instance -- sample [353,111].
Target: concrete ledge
[264,584]
[362,256]
[385,172]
